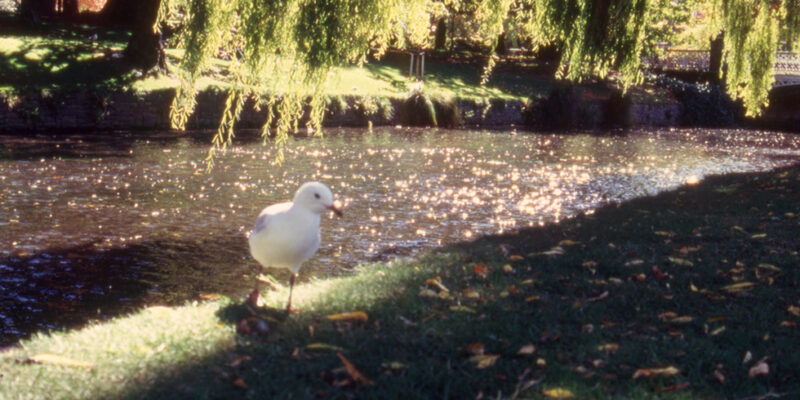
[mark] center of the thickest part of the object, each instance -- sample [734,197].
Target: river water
[94,226]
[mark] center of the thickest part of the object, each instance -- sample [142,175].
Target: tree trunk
[70,8]
[441,35]
[34,10]
[500,49]
[715,57]
[120,12]
[145,49]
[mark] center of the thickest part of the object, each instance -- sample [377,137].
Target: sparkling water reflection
[93,226]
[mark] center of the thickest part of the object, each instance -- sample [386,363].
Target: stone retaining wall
[150,111]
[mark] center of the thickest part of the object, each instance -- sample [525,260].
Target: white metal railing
[787,62]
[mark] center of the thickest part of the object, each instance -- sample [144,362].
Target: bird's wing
[266,215]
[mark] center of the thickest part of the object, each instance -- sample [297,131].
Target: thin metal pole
[422,69]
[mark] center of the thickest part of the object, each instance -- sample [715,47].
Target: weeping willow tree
[281,52]
[596,37]
[752,30]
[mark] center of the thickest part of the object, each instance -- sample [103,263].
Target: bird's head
[316,197]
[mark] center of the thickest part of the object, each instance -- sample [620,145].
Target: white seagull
[287,234]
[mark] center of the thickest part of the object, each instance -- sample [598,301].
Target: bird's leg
[254,295]
[291,287]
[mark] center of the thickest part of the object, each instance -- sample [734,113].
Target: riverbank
[560,107]
[688,294]
[566,107]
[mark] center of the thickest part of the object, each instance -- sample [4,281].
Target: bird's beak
[336,208]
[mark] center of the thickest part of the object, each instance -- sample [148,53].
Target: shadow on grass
[695,279]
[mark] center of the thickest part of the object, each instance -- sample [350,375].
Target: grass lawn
[56,57]
[691,294]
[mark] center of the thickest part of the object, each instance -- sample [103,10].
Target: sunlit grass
[52,56]
[10,45]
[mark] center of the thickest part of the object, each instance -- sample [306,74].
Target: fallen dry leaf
[719,376]
[209,296]
[353,372]
[768,267]
[526,350]
[758,236]
[437,283]
[239,382]
[680,261]
[55,359]
[651,372]
[599,297]
[239,361]
[349,316]
[483,361]
[684,319]
[394,365]
[760,368]
[555,251]
[694,289]
[658,274]
[558,393]
[665,233]
[567,242]
[589,264]
[508,269]
[476,348]
[738,287]
[634,263]
[472,294]
[541,362]
[462,309]
[323,346]
[717,331]
[516,257]
[794,310]
[608,347]
[425,292]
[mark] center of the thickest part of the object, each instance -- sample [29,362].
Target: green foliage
[791,26]
[751,38]
[282,51]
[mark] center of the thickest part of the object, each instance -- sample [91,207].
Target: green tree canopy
[282,50]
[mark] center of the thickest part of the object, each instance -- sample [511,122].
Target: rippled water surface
[94,226]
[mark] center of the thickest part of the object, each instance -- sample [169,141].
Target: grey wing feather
[261,223]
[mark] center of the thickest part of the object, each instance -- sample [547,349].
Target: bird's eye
[316,195]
